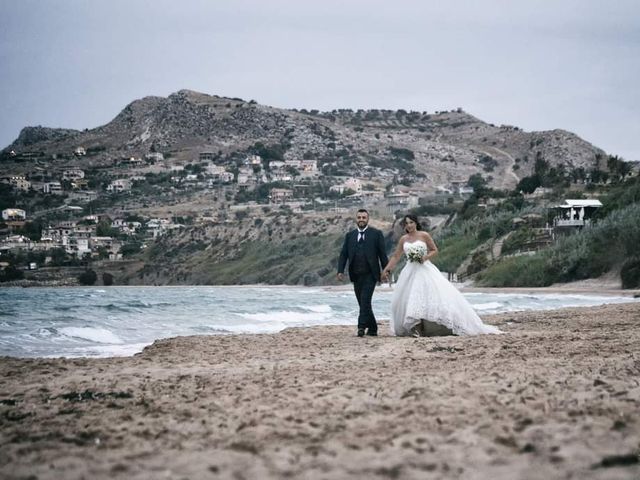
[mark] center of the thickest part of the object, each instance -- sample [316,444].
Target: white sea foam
[97,335]
[268,327]
[487,306]
[318,308]
[103,351]
[60,324]
[287,317]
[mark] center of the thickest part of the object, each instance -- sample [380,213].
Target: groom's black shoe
[361,332]
[372,334]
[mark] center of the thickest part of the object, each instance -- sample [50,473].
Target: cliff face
[279,248]
[440,147]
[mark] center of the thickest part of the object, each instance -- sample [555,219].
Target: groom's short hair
[363,210]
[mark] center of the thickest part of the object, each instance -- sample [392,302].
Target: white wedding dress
[423,295]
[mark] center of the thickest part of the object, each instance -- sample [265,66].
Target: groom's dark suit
[366,259]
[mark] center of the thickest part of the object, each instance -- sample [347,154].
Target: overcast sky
[539,64]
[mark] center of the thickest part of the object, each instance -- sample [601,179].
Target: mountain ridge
[187,122]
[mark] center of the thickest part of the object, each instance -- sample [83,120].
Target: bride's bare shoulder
[425,236]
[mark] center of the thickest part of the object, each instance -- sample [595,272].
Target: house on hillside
[352,184]
[73,174]
[574,214]
[53,188]
[398,200]
[119,185]
[206,156]
[280,195]
[153,157]
[13,215]
[20,183]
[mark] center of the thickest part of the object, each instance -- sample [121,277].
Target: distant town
[301,185]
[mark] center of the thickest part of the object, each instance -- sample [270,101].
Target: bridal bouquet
[416,252]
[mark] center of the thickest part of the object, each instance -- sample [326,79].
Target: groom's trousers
[364,285]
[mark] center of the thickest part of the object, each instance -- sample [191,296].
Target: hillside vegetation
[611,243]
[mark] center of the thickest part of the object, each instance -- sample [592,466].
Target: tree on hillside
[478,183]
[104,228]
[33,230]
[618,168]
[88,277]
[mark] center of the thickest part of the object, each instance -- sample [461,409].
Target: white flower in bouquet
[416,252]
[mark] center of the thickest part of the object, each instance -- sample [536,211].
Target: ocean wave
[96,335]
[63,308]
[318,308]
[287,316]
[487,306]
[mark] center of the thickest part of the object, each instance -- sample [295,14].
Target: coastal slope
[555,397]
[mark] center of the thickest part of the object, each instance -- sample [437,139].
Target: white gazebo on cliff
[575,213]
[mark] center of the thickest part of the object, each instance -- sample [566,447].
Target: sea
[121,321]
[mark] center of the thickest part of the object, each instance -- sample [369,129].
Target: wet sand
[557,396]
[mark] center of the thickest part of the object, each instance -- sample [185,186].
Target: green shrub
[517,240]
[107,279]
[11,273]
[479,262]
[452,251]
[630,273]
[88,277]
[521,271]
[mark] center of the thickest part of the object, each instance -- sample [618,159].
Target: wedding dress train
[423,298]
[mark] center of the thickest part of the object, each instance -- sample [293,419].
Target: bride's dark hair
[413,218]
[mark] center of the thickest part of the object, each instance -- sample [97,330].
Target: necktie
[361,236]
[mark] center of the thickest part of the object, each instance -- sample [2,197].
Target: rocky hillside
[437,147]
[274,248]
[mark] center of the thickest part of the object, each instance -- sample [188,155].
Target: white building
[21,183]
[14,214]
[309,165]
[158,226]
[253,160]
[401,201]
[575,213]
[119,185]
[276,164]
[293,163]
[154,157]
[73,174]
[78,246]
[223,177]
[280,195]
[352,184]
[53,188]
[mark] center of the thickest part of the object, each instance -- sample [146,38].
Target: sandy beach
[557,396]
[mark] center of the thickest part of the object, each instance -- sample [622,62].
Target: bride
[424,303]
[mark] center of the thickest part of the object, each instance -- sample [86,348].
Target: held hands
[340,277]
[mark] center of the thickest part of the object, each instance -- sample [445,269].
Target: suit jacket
[374,251]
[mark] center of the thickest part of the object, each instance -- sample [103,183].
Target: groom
[364,248]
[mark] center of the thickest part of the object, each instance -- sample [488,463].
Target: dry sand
[558,396]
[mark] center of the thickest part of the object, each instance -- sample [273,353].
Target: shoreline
[569,288]
[555,397]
